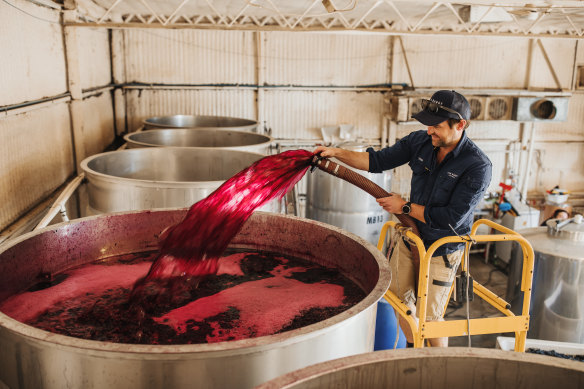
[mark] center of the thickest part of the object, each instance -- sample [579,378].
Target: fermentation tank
[160,177]
[557,297]
[36,359]
[340,203]
[209,122]
[452,368]
[200,138]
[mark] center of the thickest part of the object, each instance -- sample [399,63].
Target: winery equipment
[557,308]
[344,205]
[202,121]
[453,368]
[160,177]
[200,138]
[32,358]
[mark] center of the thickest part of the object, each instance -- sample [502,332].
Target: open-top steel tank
[557,297]
[453,368]
[200,138]
[33,358]
[201,121]
[160,177]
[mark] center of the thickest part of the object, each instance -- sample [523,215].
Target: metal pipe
[528,163]
[59,204]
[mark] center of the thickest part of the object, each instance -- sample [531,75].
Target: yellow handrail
[434,329]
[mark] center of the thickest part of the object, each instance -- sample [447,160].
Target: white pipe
[528,163]
[59,204]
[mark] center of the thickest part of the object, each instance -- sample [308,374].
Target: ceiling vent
[499,108]
[548,109]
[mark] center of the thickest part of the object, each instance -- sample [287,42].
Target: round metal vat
[160,177]
[340,203]
[200,138]
[557,296]
[33,358]
[208,122]
[451,368]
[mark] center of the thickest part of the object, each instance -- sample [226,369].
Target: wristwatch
[407,208]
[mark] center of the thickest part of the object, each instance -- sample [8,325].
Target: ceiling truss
[548,19]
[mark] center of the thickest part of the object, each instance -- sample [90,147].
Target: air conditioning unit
[499,108]
[533,109]
[478,106]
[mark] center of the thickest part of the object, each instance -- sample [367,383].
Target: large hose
[374,190]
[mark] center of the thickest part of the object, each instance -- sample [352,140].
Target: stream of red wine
[190,249]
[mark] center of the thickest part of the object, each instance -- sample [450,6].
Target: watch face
[406,209]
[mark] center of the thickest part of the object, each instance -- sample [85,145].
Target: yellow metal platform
[437,329]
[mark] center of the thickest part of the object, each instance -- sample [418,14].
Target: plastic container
[386,325]
[557,196]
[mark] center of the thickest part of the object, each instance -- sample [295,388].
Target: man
[449,177]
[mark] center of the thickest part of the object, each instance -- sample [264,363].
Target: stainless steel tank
[200,138]
[339,203]
[33,358]
[160,177]
[557,297]
[192,121]
[452,368]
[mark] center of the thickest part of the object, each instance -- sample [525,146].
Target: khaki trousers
[442,272]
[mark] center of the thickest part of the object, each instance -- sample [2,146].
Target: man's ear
[461,124]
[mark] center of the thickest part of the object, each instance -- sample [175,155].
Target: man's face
[443,135]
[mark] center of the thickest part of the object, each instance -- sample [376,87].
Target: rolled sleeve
[392,156]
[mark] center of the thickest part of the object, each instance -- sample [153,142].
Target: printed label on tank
[375,219]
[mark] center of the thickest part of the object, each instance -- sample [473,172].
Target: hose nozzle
[315,160]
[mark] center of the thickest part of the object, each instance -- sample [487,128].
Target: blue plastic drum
[385,328]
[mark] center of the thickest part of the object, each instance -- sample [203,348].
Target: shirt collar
[460,145]
[463,140]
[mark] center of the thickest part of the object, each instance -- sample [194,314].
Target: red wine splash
[192,247]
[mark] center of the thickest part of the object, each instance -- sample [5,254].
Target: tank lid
[569,229]
[353,146]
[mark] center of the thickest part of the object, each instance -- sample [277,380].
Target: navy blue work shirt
[450,191]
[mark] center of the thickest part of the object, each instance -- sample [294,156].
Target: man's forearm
[356,159]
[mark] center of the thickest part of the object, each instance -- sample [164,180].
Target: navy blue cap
[445,98]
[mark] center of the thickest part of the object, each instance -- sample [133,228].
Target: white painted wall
[42,130]
[33,63]
[36,157]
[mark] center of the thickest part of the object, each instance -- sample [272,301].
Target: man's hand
[356,159]
[392,204]
[327,152]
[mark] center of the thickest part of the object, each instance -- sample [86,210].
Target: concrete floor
[494,279]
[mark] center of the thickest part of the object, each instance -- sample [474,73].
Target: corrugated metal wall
[33,64]
[305,59]
[299,115]
[42,129]
[188,57]
[146,103]
[94,57]
[36,156]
